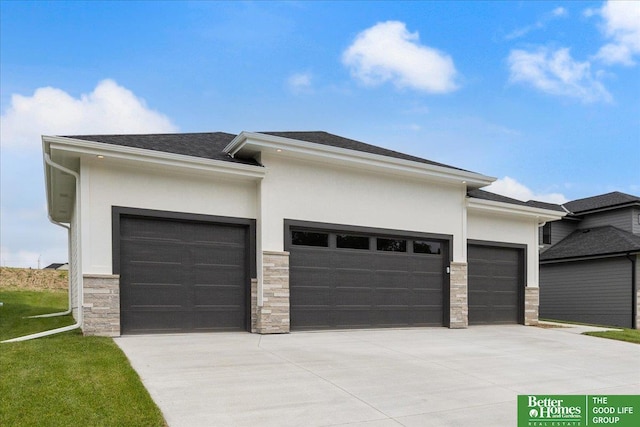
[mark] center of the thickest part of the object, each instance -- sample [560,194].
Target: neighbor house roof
[590,242]
[603,201]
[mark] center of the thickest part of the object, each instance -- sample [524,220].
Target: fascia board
[509,209]
[261,141]
[150,156]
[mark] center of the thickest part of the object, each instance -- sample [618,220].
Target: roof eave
[542,215]
[251,143]
[82,147]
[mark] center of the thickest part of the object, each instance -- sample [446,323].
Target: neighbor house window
[427,247]
[309,238]
[347,241]
[546,234]
[392,245]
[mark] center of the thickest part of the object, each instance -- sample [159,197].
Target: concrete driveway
[374,378]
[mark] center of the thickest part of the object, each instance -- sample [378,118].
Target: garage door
[496,284]
[182,276]
[594,291]
[344,280]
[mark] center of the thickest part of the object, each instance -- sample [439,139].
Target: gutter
[634,290]
[78,324]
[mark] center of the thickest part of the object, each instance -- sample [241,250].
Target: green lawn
[629,335]
[64,379]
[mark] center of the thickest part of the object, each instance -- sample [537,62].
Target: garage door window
[346,241]
[392,245]
[308,238]
[427,247]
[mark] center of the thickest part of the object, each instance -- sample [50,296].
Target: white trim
[151,156]
[511,209]
[259,141]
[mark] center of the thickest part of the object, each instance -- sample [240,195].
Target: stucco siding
[107,183]
[500,228]
[303,190]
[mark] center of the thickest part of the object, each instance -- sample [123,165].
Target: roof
[325,138]
[211,145]
[597,241]
[545,205]
[602,201]
[486,195]
[205,145]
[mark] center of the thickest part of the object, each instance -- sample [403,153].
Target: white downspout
[78,273]
[70,309]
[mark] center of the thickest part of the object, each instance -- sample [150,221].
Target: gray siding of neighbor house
[619,218]
[592,291]
[635,221]
[559,230]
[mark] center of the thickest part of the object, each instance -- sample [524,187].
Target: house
[57,266]
[589,261]
[276,231]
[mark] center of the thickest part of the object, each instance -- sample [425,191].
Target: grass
[622,334]
[65,379]
[628,335]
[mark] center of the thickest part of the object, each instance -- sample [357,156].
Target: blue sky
[544,96]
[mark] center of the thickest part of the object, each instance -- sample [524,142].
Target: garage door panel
[196,279]
[356,288]
[495,284]
[164,295]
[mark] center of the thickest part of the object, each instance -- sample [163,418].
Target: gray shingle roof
[485,195]
[205,145]
[325,138]
[545,205]
[595,241]
[211,145]
[608,200]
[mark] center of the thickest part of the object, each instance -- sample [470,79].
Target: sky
[542,95]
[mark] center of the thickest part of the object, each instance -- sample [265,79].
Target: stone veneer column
[254,305]
[531,303]
[273,316]
[101,305]
[458,299]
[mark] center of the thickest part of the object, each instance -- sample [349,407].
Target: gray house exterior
[589,261]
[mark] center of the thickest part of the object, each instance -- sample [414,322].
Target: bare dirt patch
[28,279]
[549,326]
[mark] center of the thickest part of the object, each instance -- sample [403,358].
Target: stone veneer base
[273,316]
[531,304]
[458,297]
[101,305]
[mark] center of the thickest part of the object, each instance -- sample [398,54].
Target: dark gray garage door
[354,280]
[496,284]
[181,276]
[593,291]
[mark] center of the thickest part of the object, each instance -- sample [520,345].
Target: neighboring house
[276,231]
[57,266]
[589,261]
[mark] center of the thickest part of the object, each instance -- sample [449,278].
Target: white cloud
[556,73]
[509,187]
[109,108]
[300,82]
[388,52]
[556,13]
[622,27]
